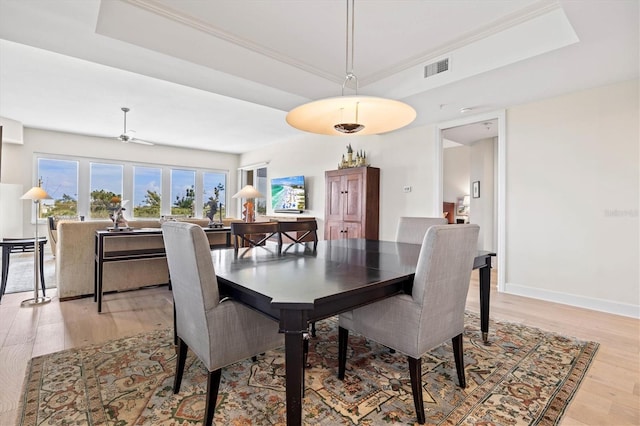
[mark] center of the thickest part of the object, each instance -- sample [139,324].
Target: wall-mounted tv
[288,194]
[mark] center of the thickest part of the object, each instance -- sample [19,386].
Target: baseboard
[601,305]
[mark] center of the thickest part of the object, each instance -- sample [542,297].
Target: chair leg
[343,339]
[458,354]
[180,360]
[213,384]
[305,350]
[415,372]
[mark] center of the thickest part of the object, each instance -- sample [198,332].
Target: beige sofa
[75,258]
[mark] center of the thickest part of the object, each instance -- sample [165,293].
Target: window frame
[84,192]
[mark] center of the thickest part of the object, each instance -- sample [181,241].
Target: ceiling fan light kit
[347,115]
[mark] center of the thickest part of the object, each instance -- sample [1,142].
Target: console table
[144,243]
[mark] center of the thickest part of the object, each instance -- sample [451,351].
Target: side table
[13,245]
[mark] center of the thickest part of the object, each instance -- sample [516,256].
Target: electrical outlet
[406,189]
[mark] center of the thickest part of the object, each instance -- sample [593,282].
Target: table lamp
[36,194]
[248,193]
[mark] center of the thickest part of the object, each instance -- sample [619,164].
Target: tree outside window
[147,198]
[183,192]
[60,180]
[106,189]
[214,199]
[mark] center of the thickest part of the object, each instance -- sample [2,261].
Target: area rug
[20,274]
[524,377]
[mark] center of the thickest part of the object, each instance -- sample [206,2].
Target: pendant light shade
[375,115]
[346,115]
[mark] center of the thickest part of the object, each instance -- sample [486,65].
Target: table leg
[41,255]
[485,290]
[293,325]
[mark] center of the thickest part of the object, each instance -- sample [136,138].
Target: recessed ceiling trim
[171,14]
[508,21]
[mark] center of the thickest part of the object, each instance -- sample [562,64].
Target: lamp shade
[376,115]
[36,193]
[248,192]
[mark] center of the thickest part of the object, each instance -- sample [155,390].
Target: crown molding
[532,11]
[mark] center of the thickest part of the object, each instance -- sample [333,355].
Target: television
[288,194]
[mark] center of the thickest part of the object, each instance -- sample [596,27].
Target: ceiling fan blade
[140,141]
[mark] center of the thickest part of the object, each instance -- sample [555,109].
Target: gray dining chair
[219,332]
[433,313]
[412,229]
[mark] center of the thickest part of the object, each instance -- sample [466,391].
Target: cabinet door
[334,196]
[333,230]
[352,207]
[351,230]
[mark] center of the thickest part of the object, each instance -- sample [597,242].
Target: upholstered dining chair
[412,229]
[219,332]
[433,312]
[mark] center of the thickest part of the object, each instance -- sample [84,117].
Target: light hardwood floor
[609,395]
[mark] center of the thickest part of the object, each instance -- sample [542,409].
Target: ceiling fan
[129,136]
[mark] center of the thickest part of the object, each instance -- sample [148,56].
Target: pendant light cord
[350,75]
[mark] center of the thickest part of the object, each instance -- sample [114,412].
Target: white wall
[456,169]
[463,165]
[572,199]
[481,210]
[405,158]
[18,160]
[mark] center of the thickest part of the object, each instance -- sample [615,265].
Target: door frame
[501,184]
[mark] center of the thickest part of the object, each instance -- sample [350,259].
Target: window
[183,192]
[147,191]
[214,200]
[89,187]
[60,180]
[256,175]
[106,189]
[261,186]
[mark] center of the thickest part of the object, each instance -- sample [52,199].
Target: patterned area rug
[524,377]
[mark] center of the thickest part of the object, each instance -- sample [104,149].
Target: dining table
[303,285]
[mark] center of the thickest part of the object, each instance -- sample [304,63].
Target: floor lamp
[248,193]
[36,194]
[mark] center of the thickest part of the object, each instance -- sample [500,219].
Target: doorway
[497,134]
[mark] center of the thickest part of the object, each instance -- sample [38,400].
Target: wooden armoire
[352,204]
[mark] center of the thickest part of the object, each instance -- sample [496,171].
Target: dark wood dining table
[305,285]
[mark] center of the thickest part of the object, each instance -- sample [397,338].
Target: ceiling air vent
[436,68]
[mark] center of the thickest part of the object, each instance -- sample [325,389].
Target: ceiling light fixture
[346,115]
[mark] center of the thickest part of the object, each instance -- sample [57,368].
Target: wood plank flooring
[609,395]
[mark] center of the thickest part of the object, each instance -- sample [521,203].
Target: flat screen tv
[288,194]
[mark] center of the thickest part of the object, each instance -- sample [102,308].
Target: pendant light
[346,115]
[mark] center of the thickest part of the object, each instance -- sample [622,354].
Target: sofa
[75,258]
